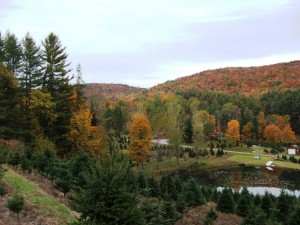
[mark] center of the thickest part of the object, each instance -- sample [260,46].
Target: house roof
[294,146]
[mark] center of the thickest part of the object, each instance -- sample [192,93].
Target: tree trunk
[177,155]
[158,153]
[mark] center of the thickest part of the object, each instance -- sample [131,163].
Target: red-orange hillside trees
[272,134]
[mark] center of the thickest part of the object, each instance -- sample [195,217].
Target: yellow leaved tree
[83,136]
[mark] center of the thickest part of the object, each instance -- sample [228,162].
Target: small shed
[293,150]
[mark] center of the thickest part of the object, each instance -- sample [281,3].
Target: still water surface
[272,190]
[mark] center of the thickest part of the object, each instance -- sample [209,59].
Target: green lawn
[232,158]
[38,198]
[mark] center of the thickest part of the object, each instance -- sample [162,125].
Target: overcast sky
[143,43]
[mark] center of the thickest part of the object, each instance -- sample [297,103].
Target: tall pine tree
[12,53]
[31,76]
[56,81]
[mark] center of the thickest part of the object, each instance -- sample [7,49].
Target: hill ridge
[245,80]
[229,80]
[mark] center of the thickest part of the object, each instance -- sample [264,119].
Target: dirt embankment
[196,215]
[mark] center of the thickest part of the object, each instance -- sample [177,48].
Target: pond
[256,179]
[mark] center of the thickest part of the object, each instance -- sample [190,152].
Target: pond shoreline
[244,176]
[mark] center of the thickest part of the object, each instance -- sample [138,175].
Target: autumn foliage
[245,80]
[233,131]
[288,135]
[140,136]
[84,136]
[272,134]
[247,131]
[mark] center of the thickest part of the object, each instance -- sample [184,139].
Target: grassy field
[39,199]
[233,157]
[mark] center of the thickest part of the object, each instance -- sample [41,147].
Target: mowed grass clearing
[38,198]
[232,158]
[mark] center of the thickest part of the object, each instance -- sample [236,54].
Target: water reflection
[257,179]
[272,190]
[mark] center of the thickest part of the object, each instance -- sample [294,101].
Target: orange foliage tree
[247,131]
[233,131]
[272,134]
[140,136]
[261,124]
[288,135]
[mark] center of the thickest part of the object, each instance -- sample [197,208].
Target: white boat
[269,168]
[269,163]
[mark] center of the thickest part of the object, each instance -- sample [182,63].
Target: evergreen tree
[171,215]
[226,202]
[181,202]
[78,165]
[188,131]
[107,118]
[119,117]
[63,181]
[12,53]
[26,161]
[193,193]
[255,217]
[79,87]
[294,218]
[266,204]
[178,184]
[210,217]
[154,212]
[244,203]
[31,76]
[167,187]
[16,204]
[106,198]
[142,183]
[3,190]
[215,195]
[257,200]
[56,81]
[44,163]
[153,187]
[2,171]
[283,205]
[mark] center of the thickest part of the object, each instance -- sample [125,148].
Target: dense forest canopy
[245,80]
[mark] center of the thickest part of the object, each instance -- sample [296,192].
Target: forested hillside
[112,91]
[244,80]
